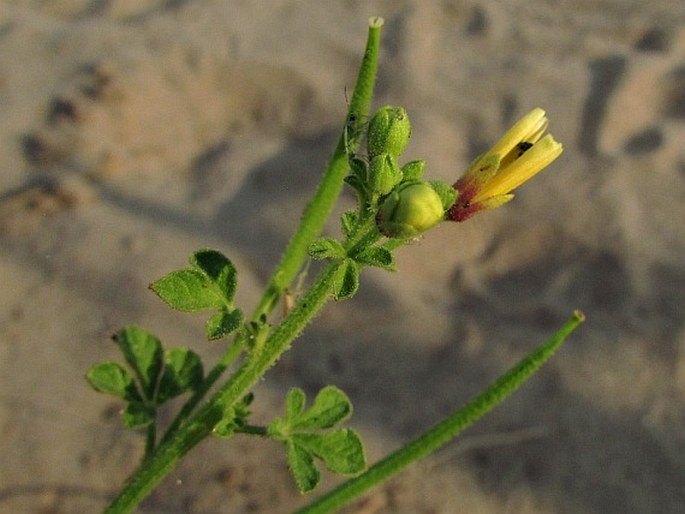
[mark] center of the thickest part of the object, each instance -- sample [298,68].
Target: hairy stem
[446,430]
[313,218]
[317,211]
[150,435]
[211,378]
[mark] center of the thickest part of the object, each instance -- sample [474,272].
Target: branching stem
[199,425]
[187,430]
[313,219]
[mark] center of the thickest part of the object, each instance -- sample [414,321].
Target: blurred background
[135,132]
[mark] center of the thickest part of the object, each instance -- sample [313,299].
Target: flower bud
[389,132]
[411,209]
[384,174]
[523,152]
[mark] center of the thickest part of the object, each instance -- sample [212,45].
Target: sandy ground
[133,132]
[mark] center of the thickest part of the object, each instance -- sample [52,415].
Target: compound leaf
[348,221]
[301,463]
[294,404]
[219,270]
[342,450]
[187,290]
[112,378]
[210,284]
[223,323]
[346,280]
[330,407]
[143,352]
[378,257]
[182,372]
[138,415]
[326,248]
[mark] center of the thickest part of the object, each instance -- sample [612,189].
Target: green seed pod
[384,174]
[411,209]
[388,132]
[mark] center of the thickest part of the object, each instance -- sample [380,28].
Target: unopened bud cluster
[405,206]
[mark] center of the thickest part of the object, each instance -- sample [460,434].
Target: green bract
[413,170]
[408,211]
[389,131]
[384,174]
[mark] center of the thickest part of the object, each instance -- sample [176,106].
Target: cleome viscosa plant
[395,204]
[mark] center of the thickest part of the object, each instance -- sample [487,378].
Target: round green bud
[389,132]
[411,209]
[384,174]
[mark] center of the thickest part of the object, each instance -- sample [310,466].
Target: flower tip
[537,112]
[527,129]
[533,121]
[551,146]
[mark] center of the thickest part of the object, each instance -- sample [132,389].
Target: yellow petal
[522,169]
[496,201]
[532,125]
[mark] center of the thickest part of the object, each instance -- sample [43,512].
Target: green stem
[211,378]
[446,430]
[317,211]
[200,425]
[253,430]
[313,219]
[280,339]
[150,435]
[152,470]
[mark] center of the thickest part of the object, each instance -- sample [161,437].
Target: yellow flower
[516,158]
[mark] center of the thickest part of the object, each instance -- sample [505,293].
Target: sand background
[133,132]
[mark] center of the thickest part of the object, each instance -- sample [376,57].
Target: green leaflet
[306,435]
[209,285]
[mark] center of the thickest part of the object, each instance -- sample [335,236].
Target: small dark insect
[523,147]
[354,128]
